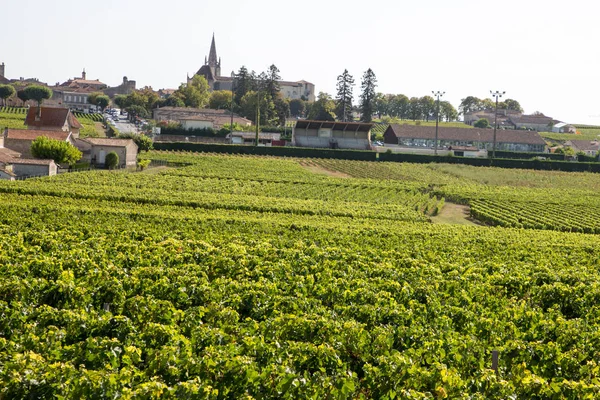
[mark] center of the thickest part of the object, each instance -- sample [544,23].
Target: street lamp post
[497,94]
[231,107]
[437,94]
[257,115]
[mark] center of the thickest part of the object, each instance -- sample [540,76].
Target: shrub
[482,123]
[143,142]
[143,164]
[112,160]
[59,151]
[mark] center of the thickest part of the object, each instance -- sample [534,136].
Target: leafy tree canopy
[38,93]
[59,151]
[482,123]
[6,91]
[323,109]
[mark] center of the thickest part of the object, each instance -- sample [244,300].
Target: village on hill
[261,109]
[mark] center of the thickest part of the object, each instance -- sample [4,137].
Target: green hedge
[264,151]
[204,132]
[515,155]
[362,155]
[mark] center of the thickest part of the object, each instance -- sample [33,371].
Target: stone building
[423,137]
[125,88]
[94,150]
[191,118]
[211,70]
[20,140]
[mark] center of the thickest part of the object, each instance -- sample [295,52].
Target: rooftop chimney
[2,69]
[83,74]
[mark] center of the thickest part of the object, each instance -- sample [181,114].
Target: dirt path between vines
[317,169]
[454,214]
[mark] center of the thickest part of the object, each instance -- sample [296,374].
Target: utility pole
[437,94]
[231,108]
[257,114]
[497,94]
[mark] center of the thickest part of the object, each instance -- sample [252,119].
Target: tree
[538,114]
[111,160]
[399,106]
[282,110]
[414,108]
[38,93]
[6,91]
[248,107]
[381,104]
[482,123]
[102,101]
[343,101]
[59,151]
[121,101]
[143,142]
[196,93]
[244,82]
[220,99]
[427,107]
[136,111]
[173,101]
[297,107]
[489,104]
[22,96]
[323,109]
[271,81]
[447,111]
[93,96]
[514,105]
[367,97]
[470,104]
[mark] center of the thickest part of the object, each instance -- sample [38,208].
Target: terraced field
[228,277]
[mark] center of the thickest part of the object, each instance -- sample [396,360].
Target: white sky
[545,54]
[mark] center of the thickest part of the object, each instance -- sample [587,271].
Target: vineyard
[228,277]
[14,118]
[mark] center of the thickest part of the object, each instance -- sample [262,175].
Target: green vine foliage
[220,277]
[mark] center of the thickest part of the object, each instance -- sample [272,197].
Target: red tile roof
[51,117]
[467,135]
[30,134]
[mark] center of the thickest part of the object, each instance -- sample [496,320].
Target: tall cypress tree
[272,79]
[244,82]
[343,101]
[367,97]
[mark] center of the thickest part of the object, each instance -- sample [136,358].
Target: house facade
[94,150]
[12,167]
[333,135]
[411,136]
[20,140]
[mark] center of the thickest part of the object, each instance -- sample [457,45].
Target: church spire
[212,55]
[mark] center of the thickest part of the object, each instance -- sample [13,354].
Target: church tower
[213,62]
[211,69]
